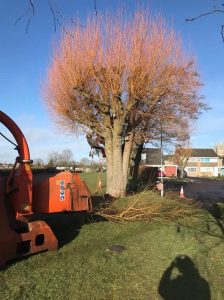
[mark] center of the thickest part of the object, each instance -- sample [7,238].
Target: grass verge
[178,259]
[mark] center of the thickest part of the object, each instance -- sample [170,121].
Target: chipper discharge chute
[20,199]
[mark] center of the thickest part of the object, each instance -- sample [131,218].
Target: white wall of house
[143,156]
[204,159]
[207,171]
[216,171]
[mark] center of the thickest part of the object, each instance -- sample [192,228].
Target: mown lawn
[92,179]
[156,253]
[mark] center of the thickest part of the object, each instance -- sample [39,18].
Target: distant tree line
[66,159]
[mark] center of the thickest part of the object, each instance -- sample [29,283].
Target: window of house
[206,169]
[191,170]
[205,159]
[213,160]
[193,159]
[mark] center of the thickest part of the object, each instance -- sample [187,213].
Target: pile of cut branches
[143,209]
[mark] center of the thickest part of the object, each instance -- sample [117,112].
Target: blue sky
[24,58]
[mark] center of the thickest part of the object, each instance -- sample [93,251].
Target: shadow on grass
[208,232]
[67,225]
[101,201]
[182,280]
[217,211]
[213,224]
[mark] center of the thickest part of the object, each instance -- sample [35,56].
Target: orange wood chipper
[21,197]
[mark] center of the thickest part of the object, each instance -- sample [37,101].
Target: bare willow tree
[114,77]
[219,149]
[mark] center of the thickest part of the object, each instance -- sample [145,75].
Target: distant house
[151,157]
[6,166]
[203,162]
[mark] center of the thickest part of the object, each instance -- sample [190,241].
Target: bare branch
[222,32]
[56,20]
[214,11]
[22,16]
[32,6]
[63,28]
[27,26]
[95,8]
[205,14]
[57,17]
[53,15]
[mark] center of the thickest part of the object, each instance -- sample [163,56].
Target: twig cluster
[141,209]
[57,16]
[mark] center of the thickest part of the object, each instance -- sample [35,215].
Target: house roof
[168,157]
[197,152]
[153,156]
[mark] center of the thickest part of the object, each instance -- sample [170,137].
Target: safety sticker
[62,190]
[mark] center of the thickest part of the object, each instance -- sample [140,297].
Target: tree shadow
[212,225]
[217,211]
[182,281]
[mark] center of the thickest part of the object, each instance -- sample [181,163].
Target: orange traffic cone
[182,192]
[99,184]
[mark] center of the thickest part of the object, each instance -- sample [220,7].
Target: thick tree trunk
[137,161]
[118,189]
[117,163]
[181,173]
[126,157]
[109,156]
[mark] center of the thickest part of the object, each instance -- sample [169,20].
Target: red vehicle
[21,196]
[160,173]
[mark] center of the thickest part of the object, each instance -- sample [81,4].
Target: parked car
[160,173]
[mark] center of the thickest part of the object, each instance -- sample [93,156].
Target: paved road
[206,190]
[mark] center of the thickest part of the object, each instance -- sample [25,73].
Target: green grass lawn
[156,253]
[92,179]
